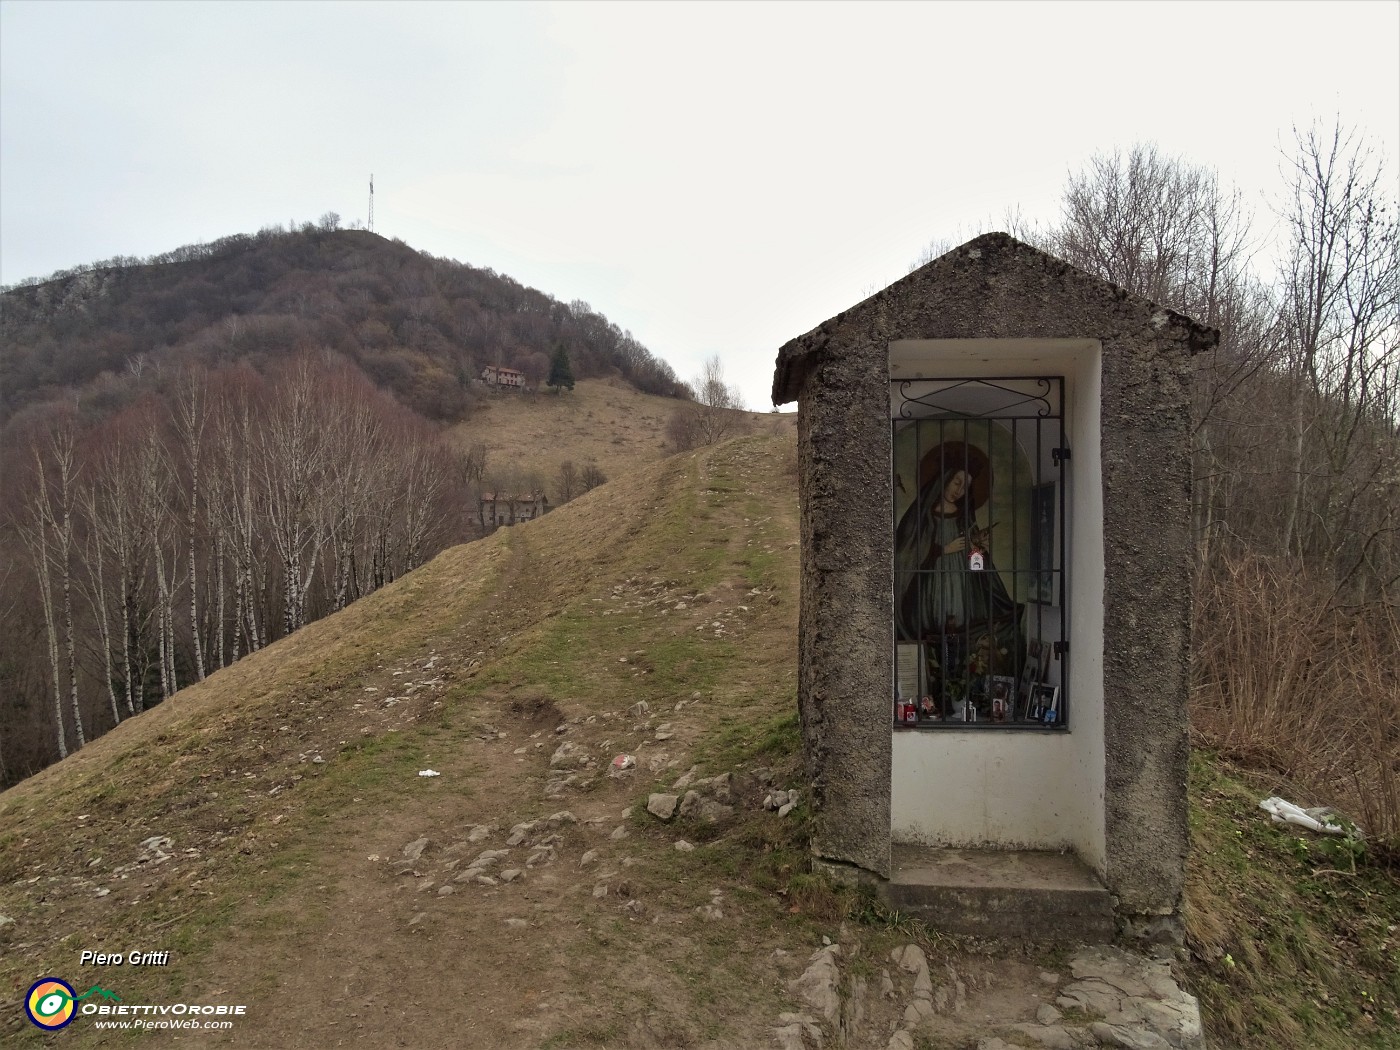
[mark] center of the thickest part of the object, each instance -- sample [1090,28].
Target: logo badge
[50,1003]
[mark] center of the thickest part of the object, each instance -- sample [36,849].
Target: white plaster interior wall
[1022,788]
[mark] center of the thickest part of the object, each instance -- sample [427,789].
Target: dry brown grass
[1292,683]
[605,421]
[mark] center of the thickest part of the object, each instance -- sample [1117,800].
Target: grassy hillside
[256,825]
[288,786]
[1295,937]
[603,421]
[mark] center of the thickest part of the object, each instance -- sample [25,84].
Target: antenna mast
[371,202]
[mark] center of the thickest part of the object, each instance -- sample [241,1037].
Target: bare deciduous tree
[566,481]
[714,415]
[590,477]
[48,532]
[1341,312]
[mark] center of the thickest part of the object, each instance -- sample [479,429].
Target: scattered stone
[910,959]
[1049,978]
[480,832]
[1128,1037]
[1055,1036]
[665,731]
[588,858]
[519,833]
[786,808]
[555,820]
[600,890]
[720,788]
[684,780]
[619,832]
[697,807]
[556,788]
[569,755]
[640,709]
[1141,1005]
[415,849]
[446,890]
[684,847]
[797,1032]
[486,880]
[919,1011]
[154,849]
[488,857]
[1047,1015]
[517,924]
[663,807]
[818,984]
[657,762]
[418,918]
[511,874]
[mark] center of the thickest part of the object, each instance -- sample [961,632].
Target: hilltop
[418,326]
[269,827]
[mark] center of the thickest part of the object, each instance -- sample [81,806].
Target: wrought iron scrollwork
[947,400]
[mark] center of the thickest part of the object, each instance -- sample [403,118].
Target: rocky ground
[543,793]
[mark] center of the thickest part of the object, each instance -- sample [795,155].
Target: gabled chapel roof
[994,286]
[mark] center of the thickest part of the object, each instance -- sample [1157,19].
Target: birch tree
[48,533]
[290,451]
[189,412]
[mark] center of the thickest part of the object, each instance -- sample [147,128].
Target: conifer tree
[561,373]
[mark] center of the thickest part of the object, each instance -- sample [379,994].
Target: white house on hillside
[500,509]
[495,375]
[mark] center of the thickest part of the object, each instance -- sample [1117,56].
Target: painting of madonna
[964,619]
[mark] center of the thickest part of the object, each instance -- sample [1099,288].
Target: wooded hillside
[203,451]
[418,326]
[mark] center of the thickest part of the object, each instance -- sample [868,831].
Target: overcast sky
[715,177]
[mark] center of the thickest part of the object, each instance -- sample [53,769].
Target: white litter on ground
[1321,819]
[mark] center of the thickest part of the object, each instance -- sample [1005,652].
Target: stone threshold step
[1011,894]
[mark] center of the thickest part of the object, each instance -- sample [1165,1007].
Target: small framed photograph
[1001,693]
[1045,704]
